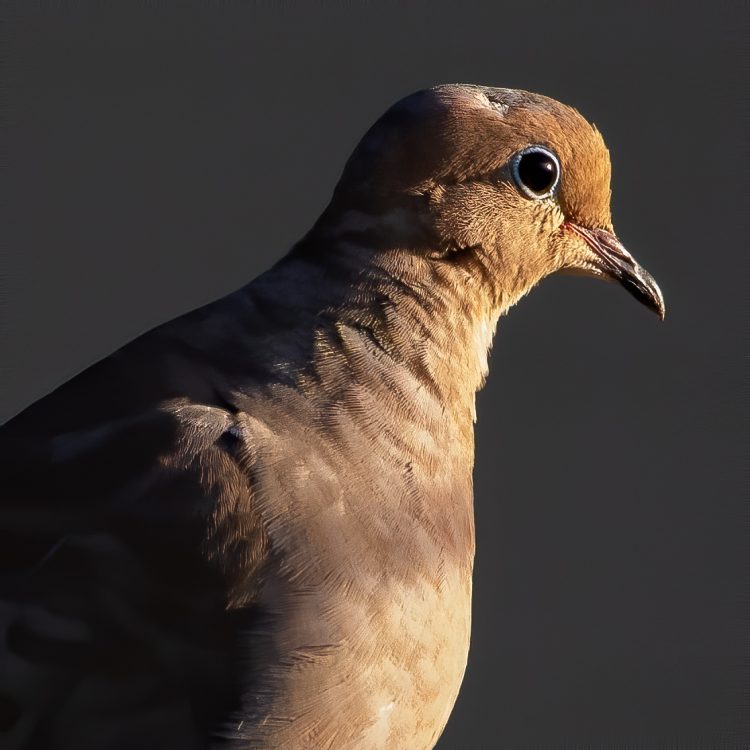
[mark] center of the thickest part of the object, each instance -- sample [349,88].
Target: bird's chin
[608,259]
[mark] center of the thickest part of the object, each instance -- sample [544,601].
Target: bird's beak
[617,263]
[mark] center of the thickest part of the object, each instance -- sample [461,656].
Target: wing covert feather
[125,548]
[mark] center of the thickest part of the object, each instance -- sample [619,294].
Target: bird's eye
[536,171]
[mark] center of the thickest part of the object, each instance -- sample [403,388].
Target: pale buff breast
[360,671]
[373,532]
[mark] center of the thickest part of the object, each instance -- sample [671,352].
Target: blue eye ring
[536,171]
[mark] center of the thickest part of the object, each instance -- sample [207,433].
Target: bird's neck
[367,300]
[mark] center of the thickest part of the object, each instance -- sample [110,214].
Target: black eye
[536,172]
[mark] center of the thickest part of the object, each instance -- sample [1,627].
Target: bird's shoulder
[150,433]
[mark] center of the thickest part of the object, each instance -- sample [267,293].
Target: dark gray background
[160,155]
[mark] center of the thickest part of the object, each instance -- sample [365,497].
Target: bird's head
[516,176]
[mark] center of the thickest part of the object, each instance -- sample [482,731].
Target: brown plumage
[252,527]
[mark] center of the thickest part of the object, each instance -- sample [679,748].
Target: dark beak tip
[654,297]
[650,295]
[643,287]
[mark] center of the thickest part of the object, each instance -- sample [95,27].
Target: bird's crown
[457,133]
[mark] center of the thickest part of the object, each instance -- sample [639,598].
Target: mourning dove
[252,527]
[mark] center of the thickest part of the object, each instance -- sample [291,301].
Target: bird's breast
[371,599]
[374,667]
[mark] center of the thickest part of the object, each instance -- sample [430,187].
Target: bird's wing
[126,524]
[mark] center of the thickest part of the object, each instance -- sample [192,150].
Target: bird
[253,526]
